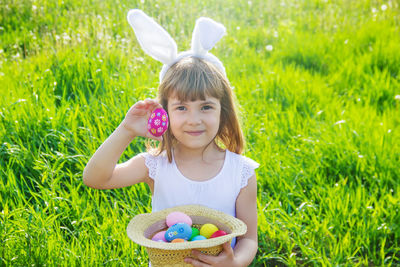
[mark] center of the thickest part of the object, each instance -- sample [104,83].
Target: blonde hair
[193,79]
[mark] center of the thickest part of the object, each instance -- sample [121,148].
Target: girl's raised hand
[136,119]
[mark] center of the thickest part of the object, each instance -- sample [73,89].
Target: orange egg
[178,240]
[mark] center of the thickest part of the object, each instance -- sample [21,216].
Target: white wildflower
[269,47]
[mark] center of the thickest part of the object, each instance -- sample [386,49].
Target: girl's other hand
[136,119]
[225,259]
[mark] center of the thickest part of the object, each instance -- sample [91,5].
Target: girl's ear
[206,34]
[153,39]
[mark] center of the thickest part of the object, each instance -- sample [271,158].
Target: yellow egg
[208,229]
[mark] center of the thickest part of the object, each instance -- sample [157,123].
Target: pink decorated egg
[158,122]
[160,236]
[178,217]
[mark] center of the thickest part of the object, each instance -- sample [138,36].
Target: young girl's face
[194,123]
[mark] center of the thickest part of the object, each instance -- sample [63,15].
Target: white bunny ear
[153,38]
[206,34]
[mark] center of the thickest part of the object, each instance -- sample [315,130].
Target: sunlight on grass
[319,92]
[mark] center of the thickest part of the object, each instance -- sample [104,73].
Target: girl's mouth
[194,133]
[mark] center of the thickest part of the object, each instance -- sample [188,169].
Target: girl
[198,159]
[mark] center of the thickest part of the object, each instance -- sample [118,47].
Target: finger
[203,257]
[144,107]
[155,106]
[149,100]
[227,248]
[152,103]
[137,111]
[139,104]
[196,263]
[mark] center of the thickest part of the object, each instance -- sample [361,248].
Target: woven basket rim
[141,222]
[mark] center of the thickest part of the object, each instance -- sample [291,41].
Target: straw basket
[143,226]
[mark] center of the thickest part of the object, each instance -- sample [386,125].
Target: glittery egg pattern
[158,122]
[179,230]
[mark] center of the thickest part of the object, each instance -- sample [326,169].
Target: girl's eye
[206,107]
[181,108]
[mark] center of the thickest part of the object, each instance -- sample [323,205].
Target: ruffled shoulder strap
[152,163]
[248,167]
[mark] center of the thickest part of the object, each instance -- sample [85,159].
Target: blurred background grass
[318,87]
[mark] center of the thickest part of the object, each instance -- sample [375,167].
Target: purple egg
[158,122]
[160,236]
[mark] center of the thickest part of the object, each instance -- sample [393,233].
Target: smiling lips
[194,133]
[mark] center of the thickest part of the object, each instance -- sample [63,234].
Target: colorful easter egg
[198,238]
[179,230]
[218,233]
[160,236]
[158,122]
[178,240]
[195,232]
[178,217]
[208,229]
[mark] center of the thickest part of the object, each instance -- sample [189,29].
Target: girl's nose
[194,118]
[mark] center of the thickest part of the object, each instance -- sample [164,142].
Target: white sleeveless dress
[172,188]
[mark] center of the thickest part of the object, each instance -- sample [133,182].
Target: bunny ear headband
[158,44]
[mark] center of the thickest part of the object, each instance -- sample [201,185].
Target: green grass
[320,113]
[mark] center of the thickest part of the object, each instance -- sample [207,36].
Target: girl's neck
[208,153]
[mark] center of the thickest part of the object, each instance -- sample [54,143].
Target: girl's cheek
[173,120]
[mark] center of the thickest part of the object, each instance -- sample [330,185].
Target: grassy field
[319,92]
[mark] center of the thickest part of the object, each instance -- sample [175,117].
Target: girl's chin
[194,145]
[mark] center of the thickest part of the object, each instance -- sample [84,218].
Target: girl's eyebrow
[177,103]
[207,102]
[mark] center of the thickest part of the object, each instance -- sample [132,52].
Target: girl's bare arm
[102,170]
[246,210]
[246,245]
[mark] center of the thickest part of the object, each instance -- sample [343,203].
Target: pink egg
[178,217]
[160,236]
[158,122]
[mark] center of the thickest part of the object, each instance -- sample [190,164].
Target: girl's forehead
[207,98]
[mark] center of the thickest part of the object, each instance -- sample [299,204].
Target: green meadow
[317,84]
